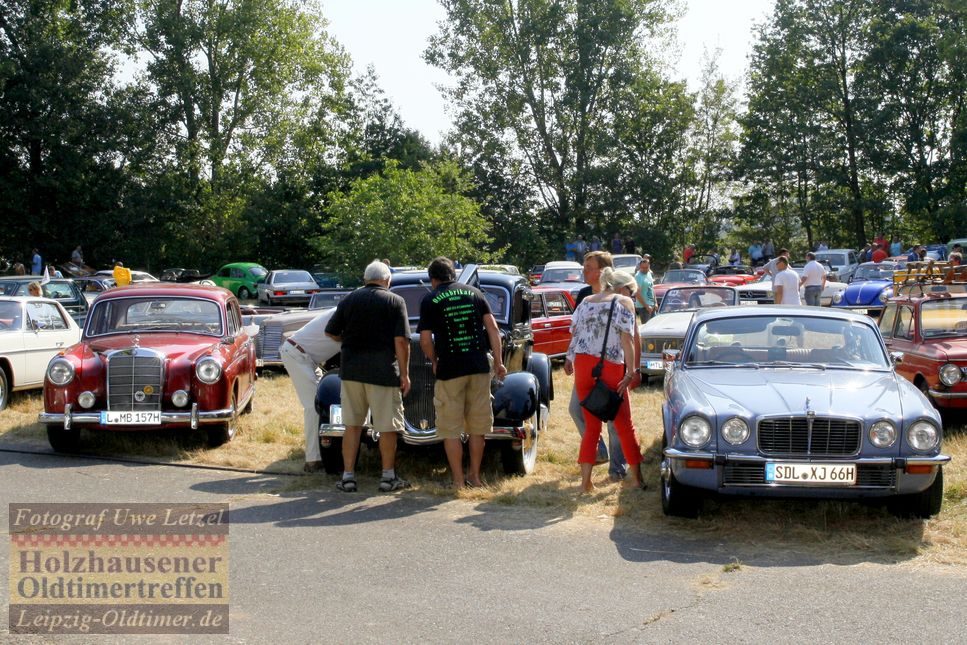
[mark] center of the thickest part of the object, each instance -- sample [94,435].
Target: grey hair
[613,279]
[376,271]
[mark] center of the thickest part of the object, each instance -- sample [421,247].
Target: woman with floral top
[588,325]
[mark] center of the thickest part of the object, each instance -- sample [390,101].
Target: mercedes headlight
[735,431]
[838,297]
[60,371]
[950,375]
[923,436]
[208,370]
[695,431]
[882,434]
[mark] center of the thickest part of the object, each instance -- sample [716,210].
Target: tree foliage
[407,216]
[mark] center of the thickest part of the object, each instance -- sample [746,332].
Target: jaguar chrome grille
[418,405]
[747,474]
[802,436]
[134,380]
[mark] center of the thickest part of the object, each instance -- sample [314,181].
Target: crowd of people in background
[577,249]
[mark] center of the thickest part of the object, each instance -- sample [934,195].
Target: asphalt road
[318,566]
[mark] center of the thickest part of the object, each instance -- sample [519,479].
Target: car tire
[4,389]
[923,505]
[677,499]
[522,460]
[244,293]
[63,440]
[222,433]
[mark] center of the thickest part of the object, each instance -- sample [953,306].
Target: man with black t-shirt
[456,329]
[373,327]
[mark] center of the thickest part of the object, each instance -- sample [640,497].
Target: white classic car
[32,331]
[761,292]
[666,329]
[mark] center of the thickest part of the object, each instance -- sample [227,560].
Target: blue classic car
[521,402]
[795,402]
[869,288]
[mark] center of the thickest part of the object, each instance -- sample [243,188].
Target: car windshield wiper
[728,363]
[815,366]
[942,334]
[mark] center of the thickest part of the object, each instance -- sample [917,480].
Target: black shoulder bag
[602,401]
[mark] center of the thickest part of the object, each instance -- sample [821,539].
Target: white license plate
[859,311]
[131,418]
[335,414]
[837,474]
[655,365]
[296,292]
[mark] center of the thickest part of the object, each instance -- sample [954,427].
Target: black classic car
[521,402]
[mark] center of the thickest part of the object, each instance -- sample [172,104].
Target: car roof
[563,264]
[837,251]
[508,280]
[31,278]
[240,265]
[167,290]
[782,310]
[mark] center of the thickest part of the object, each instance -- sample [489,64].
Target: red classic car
[732,275]
[551,311]
[678,278]
[153,356]
[930,329]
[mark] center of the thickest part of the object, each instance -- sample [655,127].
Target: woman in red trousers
[588,325]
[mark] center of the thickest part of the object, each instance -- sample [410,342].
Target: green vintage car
[240,278]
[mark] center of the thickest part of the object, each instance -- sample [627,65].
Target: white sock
[389,474]
[348,475]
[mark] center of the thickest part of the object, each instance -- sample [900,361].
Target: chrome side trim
[948,395]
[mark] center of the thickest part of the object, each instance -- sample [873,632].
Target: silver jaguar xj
[795,402]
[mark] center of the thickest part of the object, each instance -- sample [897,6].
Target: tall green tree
[541,76]
[406,216]
[59,148]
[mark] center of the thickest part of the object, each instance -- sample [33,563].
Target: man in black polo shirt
[456,329]
[372,325]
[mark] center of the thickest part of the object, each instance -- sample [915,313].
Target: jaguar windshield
[813,341]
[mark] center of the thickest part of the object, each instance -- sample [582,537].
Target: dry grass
[271,439]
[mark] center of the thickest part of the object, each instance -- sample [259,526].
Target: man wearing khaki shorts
[456,329]
[372,325]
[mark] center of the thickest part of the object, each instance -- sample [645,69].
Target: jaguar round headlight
[86,400]
[882,434]
[885,294]
[179,398]
[695,431]
[950,375]
[735,431]
[838,297]
[923,436]
[60,371]
[208,370]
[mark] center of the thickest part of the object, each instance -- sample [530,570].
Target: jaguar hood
[779,391]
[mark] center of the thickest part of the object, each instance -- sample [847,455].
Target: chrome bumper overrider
[418,437]
[899,462]
[193,418]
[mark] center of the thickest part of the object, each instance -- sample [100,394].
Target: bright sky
[392,34]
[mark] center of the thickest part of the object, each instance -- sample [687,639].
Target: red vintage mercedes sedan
[153,356]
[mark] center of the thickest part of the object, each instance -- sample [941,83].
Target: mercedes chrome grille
[135,379]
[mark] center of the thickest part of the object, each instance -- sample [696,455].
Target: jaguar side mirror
[670,355]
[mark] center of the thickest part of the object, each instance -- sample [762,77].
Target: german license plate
[655,365]
[297,292]
[335,414]
[859,311]
[835,474]
[131,418]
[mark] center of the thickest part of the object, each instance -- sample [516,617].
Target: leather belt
[296,345]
